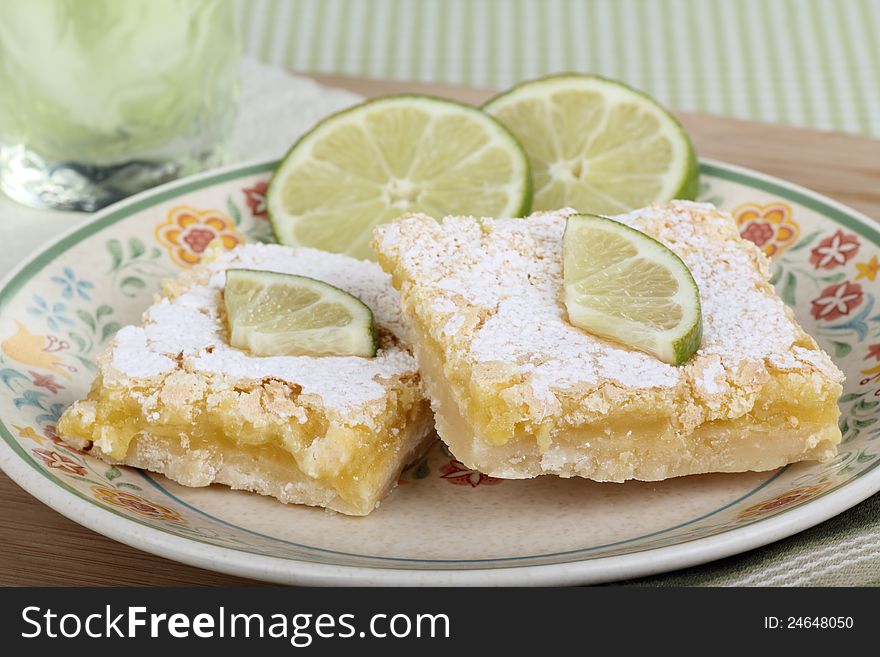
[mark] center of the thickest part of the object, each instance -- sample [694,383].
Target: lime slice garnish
[622,285]
[376,161]
[272,314]
[597,145]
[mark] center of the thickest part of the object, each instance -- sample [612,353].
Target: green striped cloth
[812,63]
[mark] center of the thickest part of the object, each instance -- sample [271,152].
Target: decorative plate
[444,524]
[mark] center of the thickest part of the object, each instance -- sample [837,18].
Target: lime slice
[376,161]
[272,314]
[622,285]
[597,145]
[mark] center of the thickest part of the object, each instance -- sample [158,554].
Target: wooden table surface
[39,547]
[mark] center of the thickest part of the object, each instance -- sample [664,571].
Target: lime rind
[674,345]
[272,325]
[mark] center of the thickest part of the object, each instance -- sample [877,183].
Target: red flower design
[456,472]
[837,301]
[46,381]
[834,251]
[758,232]
[255,197]
[186,233]
[785,499]
[59,461]
[198,239]
[771,228]
[873,352]
[139,505]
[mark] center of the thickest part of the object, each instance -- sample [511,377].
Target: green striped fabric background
[813,63]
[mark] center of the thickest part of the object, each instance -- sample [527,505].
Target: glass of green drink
[100,99]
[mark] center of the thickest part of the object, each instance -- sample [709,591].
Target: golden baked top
[185,331]
[489,291]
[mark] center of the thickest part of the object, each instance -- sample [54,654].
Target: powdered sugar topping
[502,280]
[190,329]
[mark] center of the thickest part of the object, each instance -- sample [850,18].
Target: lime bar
[626,286]
[174,396]
[597,145]
[519,391]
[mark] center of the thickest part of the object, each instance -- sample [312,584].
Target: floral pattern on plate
[187,232]
[771,227]
[62,311]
